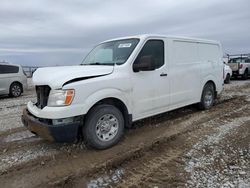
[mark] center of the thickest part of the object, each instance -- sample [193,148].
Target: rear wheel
[207,98]
[104,127]
[15,90]
[227,80]
[245,75]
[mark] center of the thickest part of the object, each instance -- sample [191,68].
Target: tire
[207,98]
[227,80]
[245,75]
[104,127]
[15,90]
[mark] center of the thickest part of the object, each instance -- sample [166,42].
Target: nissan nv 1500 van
[121,81]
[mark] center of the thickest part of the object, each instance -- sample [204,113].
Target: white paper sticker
[125,45]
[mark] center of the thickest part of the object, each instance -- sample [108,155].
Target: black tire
[245,75]
[227,80]
[15,90]
[93,131]
[207,97]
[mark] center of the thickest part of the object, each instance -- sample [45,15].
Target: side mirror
[144,63]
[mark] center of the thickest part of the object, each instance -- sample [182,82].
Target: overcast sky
[61,32]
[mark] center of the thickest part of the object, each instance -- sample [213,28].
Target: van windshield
[110,53]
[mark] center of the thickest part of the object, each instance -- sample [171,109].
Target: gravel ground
[201,163]
[182,148]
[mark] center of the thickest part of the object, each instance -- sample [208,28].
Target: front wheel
[104,127]
[207,98]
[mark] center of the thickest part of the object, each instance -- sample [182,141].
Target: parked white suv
[240,67]
[13,80]
[227,73]
[121,81]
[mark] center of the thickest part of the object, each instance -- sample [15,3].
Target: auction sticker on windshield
[125,45]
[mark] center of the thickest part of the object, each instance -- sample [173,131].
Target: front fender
[92,99]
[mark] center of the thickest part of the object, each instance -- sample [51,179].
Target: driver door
[151,91]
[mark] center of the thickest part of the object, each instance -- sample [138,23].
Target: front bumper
[67,132]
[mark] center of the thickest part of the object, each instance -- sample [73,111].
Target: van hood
[56,77]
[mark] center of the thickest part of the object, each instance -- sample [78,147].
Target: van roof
[145,36]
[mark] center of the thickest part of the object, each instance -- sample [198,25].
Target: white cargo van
[121,81]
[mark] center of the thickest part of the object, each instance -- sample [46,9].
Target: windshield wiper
[98,63]
[95,63]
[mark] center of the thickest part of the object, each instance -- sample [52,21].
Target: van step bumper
[58,133]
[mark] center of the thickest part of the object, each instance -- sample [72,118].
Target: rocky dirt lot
[182,148]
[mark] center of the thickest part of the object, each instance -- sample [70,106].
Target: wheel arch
[118,104]
[214,85]
[112,97]
[16,82]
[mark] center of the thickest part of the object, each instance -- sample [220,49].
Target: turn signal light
[69,96]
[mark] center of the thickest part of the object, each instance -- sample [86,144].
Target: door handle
[163,74]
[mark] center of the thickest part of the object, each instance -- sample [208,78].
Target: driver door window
[153,49]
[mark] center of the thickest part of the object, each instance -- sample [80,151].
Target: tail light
[241,65]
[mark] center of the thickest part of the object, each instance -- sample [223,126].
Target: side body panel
[212,66]
[185,72]
[190,65]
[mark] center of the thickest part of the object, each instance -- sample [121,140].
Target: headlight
[61,97]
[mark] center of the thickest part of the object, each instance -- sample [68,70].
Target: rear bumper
[67,132]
